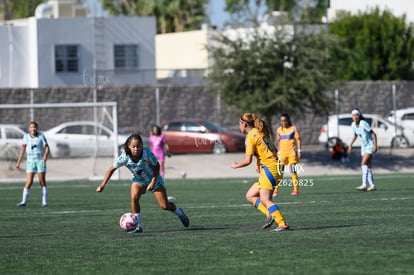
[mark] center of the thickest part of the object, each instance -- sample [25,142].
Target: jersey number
[269,145]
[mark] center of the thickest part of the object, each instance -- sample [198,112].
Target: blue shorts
[367,149]
[158,183]
[33,166]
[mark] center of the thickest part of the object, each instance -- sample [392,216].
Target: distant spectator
[159,147]
[339,151]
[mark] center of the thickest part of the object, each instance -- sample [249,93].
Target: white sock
[178,211]
[364,175]
[371,178]
[44,195]
[25,195]
[138,215]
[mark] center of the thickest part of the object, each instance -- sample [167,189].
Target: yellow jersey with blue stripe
[286,137]
[261,147]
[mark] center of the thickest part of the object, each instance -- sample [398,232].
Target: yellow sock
[259,205]
[275,212]
[295,180]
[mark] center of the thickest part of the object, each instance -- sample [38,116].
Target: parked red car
[200,136]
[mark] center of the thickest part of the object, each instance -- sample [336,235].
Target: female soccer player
[37,150]
[259,144]
[145,170]
[368,138]
[159,147]
[288,139]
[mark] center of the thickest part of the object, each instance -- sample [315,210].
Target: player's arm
[46,154]
[374,137]
[21,154]
[155,174]
[298,144]
[354,137]
[167,149]
[108,175]
[247,160]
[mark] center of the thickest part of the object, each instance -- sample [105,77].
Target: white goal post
[53,114]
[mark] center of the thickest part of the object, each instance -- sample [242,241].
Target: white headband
[356,112]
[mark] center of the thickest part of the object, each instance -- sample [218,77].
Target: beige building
[183,57]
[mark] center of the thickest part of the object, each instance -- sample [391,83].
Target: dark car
[200,136]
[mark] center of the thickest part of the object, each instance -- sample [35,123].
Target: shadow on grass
[385,158]
[323,227]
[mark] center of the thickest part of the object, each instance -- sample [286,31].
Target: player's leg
[370,175]
[41,168]
[137,190]
[280,170]
[293,161]
[42,182]
[160,195]
[30,173]
[162,169]
[273,209]
[267,182]
[252,196]
[364,169]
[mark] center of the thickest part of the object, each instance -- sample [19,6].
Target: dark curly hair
[128,141]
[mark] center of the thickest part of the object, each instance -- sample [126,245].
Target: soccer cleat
[21,204]
[137,229]
[294,193]
[275,194]
[361,188]
[268,223]
[184,219]
[281,228]
[372,188]
[44,204]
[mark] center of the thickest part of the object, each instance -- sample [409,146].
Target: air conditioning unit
[80,11]
[61,8]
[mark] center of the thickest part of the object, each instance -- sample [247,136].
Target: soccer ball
[128,222]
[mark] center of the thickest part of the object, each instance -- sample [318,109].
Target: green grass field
[335,230]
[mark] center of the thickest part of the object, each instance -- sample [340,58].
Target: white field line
[74,212]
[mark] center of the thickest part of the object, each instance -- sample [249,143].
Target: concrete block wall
[137,105]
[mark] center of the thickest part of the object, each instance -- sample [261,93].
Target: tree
[283,71]
[14,9]
[172,15]
[381,46]
[300,11]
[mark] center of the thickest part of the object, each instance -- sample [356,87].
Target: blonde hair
[255,121]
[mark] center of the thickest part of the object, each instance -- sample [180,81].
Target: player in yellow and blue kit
[259,144]
[37,150]
[145,174]
[288,139]
[368,137]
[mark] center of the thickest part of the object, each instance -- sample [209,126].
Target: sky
[215,10]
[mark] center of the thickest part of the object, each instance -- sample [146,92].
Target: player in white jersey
[368,138]
[37,150]
[145,174]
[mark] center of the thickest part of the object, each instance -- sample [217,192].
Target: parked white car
[388,135]
[85,138]
[11,138]
[403,117]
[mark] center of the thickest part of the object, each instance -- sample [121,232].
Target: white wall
[29,63]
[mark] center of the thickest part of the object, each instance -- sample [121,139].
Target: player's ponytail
[255,121]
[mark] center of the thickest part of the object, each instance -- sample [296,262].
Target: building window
[125,56]
[66,58]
